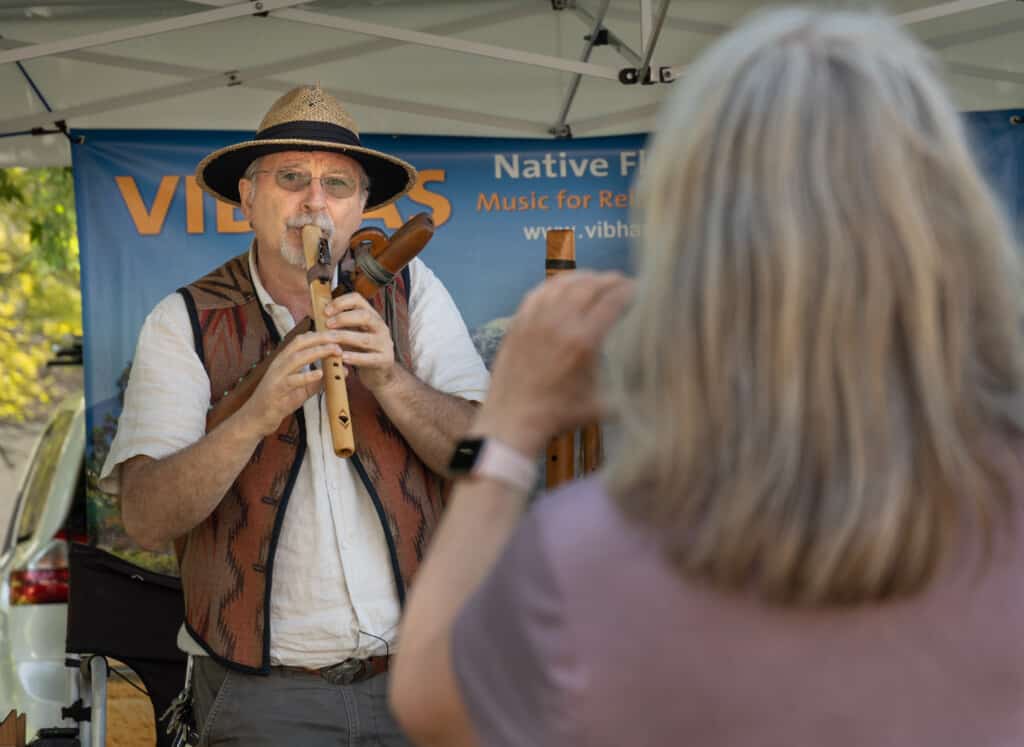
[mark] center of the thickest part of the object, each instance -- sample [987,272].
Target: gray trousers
[286,707]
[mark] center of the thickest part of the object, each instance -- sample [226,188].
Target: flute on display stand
[561,463]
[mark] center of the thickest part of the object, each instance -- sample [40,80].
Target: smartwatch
[488,457]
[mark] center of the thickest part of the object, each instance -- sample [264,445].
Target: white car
[49,512]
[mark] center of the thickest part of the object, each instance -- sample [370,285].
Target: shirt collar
[261,292]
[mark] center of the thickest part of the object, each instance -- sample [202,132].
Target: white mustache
[321,220]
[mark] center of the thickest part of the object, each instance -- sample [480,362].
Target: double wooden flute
[378,259]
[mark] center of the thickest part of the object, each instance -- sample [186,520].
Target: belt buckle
[344,673]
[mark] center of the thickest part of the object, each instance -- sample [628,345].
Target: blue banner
[998,141]
[145,229]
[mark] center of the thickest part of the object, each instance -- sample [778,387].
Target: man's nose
[315,199]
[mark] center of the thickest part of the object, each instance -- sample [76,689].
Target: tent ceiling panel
[141,31]
[1001,52]
[979,93]
[68,83]
[183,78]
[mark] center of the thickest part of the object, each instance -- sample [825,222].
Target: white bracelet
[502,462]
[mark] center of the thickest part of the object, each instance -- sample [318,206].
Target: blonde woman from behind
[810,532]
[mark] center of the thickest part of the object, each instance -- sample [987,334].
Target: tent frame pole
[560,129]
[436,41]
[190,20]
[614,40]
[199,79]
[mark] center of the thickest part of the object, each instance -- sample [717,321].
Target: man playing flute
[294,562]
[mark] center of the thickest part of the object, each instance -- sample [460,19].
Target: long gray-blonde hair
[824,356]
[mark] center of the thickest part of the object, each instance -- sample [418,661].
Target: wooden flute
[378,259]
[561,463]
[319,268]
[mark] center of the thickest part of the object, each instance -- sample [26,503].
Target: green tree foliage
[40,297]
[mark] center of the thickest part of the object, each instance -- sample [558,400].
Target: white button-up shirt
[334,592]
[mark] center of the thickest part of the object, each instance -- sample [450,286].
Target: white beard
[293,255]
[291,249]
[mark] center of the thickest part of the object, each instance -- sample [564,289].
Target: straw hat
[306,118]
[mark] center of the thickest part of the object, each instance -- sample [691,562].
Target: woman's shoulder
[583,504]
[583,529]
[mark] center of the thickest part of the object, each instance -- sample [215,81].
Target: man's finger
[304,378]
[365,359]
[300,358]
[364,341]
[355,319]
[309,339]
[346,302]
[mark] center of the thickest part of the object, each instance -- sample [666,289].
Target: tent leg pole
[98,686]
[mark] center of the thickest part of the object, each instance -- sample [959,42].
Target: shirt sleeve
[167,396]
[443,353]
[510,652]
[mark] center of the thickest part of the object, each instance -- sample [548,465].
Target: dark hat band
[305,130]
[220,171]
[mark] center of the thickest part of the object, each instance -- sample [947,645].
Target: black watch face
[466,452]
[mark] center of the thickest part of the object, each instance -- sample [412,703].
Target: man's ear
[244,192]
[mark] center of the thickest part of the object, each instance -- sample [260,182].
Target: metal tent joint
[561,132]
[630,76]
[59,127]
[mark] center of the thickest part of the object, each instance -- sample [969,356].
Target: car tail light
[45,579]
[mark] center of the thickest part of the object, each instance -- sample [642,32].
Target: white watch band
[506,464]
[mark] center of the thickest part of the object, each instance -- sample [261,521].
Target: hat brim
[219,172]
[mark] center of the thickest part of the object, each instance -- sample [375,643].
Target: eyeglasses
[335,185]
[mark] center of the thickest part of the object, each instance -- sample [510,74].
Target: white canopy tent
[527,68]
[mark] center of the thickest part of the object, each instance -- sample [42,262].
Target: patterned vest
[227,561]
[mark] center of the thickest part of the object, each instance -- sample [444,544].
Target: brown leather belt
[347,672]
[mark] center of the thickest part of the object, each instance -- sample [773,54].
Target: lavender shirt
[582,635]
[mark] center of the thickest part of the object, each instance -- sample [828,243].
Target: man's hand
[286,385]
[545,375]
[364,338]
